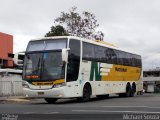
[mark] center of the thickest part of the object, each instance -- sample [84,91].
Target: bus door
[73,66]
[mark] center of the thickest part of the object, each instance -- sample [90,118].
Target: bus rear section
[111,70]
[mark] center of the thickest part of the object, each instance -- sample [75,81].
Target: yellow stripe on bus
[121,73]
[49,83]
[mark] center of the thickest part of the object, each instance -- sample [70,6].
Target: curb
[14,99]
[18,100]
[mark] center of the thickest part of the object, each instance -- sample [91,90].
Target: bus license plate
[40,93]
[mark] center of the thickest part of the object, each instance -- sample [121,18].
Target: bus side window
[73,60]
[88,52]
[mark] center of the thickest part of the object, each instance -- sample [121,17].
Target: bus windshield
[43,60]
[43,66]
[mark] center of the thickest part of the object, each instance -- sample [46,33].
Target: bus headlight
[25,85]
[59,85]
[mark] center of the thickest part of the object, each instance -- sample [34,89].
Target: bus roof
[96,42]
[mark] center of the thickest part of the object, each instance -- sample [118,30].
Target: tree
[57,31]
[74,24]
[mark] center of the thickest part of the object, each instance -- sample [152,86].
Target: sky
[133,25]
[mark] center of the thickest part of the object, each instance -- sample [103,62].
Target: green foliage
[57,31]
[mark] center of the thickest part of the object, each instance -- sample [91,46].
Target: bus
[73,67]
[18,59]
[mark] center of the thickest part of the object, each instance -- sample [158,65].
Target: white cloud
[20,42]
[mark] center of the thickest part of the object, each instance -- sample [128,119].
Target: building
[151,80]
[6,47]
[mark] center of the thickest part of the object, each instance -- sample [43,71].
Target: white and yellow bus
[72,67]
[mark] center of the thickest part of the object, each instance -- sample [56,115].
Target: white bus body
[78,68]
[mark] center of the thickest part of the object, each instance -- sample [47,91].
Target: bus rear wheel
[133,90]
[50,100]
[128,91]
[86,94]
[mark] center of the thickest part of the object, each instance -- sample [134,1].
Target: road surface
[146,107]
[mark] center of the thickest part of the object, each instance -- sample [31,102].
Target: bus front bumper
[45,93]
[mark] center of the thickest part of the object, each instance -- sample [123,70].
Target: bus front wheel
[86,93]
[50,100]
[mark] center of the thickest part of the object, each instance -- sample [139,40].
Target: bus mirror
[65,54]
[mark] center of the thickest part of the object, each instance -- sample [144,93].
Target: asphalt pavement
[145,107]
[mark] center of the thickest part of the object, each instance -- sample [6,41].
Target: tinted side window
[120,57]
[88,52]
[97,53]
[138,61]
[108,55]
[73,60]
[100,54]
[113,54]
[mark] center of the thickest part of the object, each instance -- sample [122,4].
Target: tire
[141,92]
[132,93]
[128,91]
[50,100]
[133,90]
[86,94]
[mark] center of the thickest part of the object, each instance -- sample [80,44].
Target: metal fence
[11,85]
[11,88]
